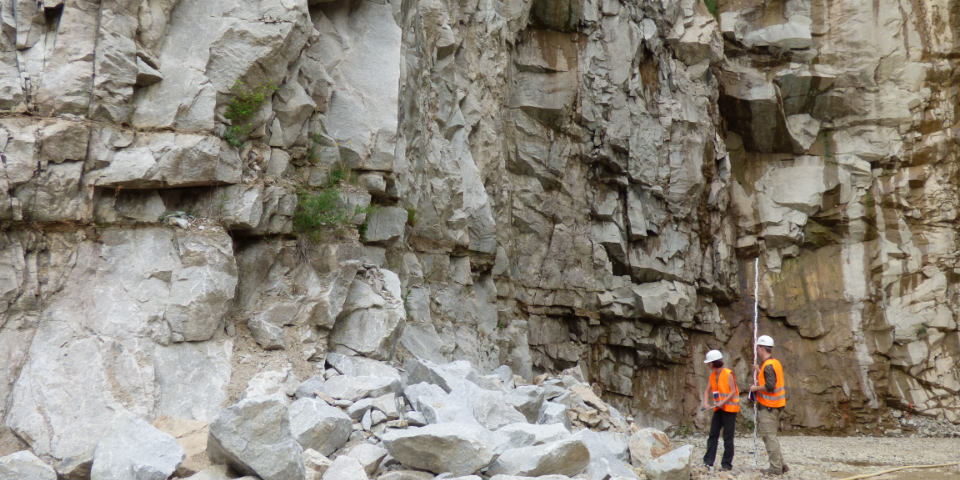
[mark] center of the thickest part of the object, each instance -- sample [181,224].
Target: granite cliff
[532,183]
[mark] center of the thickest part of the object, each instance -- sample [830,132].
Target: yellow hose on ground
[868,475]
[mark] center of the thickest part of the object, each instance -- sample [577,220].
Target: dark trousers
[725,420]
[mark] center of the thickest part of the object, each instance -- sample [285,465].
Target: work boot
[771,471]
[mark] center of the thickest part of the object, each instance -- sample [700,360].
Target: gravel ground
[837,457]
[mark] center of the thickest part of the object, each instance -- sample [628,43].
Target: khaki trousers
[769,420]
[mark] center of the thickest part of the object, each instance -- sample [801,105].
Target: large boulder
[564,457]
[461,449]
[674,465]
[360,366]
[603,462]
[133,449]
[527,399]
[526,435]
[24,465]
[354,388]
[345,468]
[369,455]
[646,445]
[319,426]
[551,412]
[254,437]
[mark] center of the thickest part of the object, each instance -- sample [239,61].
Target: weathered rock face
[544,185]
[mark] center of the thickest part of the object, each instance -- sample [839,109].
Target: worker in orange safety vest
[772,397]
[726,403]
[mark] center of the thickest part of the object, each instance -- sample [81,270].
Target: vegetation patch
[241,109]
[322,210]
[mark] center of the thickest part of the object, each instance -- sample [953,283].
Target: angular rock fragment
[603,462]
[316,425]
[646,445]
[345,468]
[461,449]
[551,412]
[526,435]
[24,465]
[133,449]
[369,456]
[253,437]
[674,465]
[564,457]
[527,399]
[356,388]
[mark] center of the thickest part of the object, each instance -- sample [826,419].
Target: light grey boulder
[527,399]
[253,436]
[343,387]
[360,408]
[527,435]
[24,465]
[406,475]
[491,410]
[388,405]
[319,426]
[674,465]
[133,449]
[345,468]
[361,366]
[565,457]
[542,477]
[425,371]
[647,444]
[618,443]
[551,412]
[369,455]
[310,385]
[603,462]
[216,472]
[461,449]
[420,393]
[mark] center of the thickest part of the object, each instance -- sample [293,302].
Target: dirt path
[832,458]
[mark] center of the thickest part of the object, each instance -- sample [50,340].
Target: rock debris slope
[203,200]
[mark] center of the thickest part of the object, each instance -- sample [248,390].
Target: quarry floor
[811,457]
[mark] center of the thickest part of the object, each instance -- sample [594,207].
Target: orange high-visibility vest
[724,388]
[778,397]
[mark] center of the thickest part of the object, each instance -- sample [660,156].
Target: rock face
[545,185]
[318,426]
[564,457]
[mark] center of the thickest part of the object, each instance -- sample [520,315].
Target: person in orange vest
[726,397]
[772,397]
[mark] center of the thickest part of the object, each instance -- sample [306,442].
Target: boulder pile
[364,419]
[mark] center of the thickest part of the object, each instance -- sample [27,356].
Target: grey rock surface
[674,465]
[356,388]
[551,412]
[24,465]
[369,456]
[254,438]
[564,457]
[461,449]
[345,468]
[318,426]
[133,449]
[526,435]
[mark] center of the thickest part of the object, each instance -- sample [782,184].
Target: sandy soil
[831,458]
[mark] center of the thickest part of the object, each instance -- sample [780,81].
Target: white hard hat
[765,341]
[713,356]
